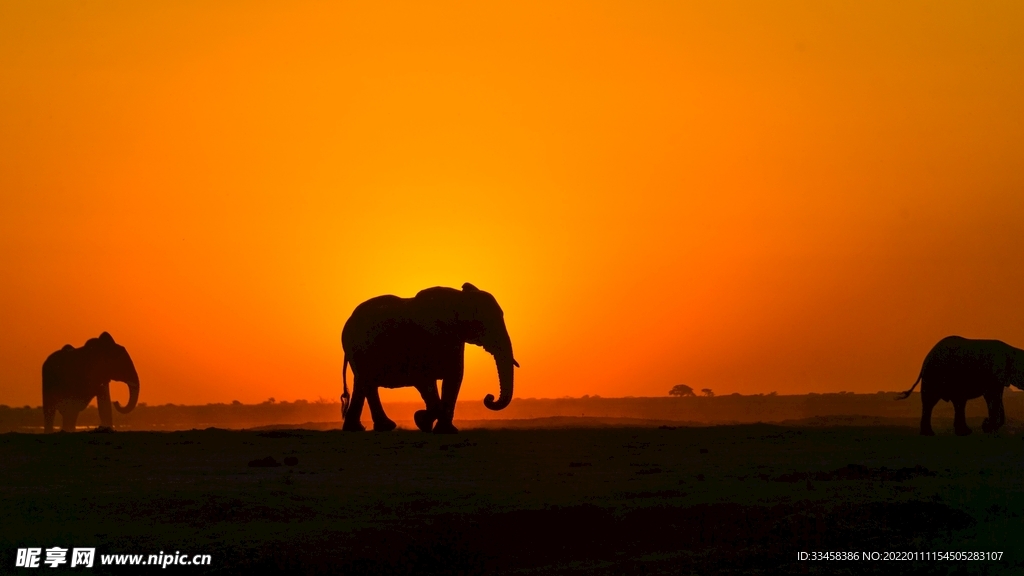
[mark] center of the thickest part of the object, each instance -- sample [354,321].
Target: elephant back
[58,365]
[371,319]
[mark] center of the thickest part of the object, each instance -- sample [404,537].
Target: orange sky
[750,197]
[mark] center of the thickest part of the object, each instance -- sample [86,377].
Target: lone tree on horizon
[681,390]
[708,392]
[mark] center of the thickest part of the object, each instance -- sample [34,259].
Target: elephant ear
[467,310]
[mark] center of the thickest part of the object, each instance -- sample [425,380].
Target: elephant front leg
[996,415]
[960,417]
[103,406]
[449,394]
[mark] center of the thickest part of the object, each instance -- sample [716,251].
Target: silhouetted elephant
[958,369]
[395,342]
[72,377]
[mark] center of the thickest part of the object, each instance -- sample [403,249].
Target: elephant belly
[399,360]
[392,384]
[70,396]
[399,373]
[955,389]
[71,404]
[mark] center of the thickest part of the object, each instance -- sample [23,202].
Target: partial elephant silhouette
[959,369]
[393,342]
[72,377]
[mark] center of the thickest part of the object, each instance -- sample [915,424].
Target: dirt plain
[588,411]
[742,499]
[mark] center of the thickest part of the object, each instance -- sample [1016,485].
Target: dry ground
[740,499]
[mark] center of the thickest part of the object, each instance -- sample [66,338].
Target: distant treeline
[692,410]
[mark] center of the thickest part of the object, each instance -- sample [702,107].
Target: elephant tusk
[516,364]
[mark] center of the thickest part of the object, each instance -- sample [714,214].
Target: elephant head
[112,362]
[1015,369]
[483,323]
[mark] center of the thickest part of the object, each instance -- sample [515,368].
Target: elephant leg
[960,417]
[381,422]
[355,409]
[425,418]
[928,402]
[103,406]
[1002,413]
[49,411]
[449,394]
[996,416]
[68,417]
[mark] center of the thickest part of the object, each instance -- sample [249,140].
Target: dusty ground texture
[736,499]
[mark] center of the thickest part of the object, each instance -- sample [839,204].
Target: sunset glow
[748,197]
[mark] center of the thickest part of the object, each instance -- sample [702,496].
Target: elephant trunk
[133,398]
[505,363]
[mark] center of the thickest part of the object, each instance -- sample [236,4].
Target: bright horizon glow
[748,197]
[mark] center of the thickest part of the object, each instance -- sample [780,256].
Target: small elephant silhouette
[959,369]
[393,342]
[72,377]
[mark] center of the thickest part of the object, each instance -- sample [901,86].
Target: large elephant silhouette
[959,369]
[72,377]
[393,342]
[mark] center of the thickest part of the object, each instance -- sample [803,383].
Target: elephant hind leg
[425,418]
[355,410]
[48,414]
[68,419]
[928,402]
[960,417]
[381,422]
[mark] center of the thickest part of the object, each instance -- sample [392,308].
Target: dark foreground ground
[690,500]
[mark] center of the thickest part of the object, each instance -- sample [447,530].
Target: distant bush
[681,390]
[707,392]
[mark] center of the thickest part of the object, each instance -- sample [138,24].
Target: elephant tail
[344,393]
[906,394]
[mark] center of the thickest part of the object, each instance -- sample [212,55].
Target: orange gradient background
[750,196]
